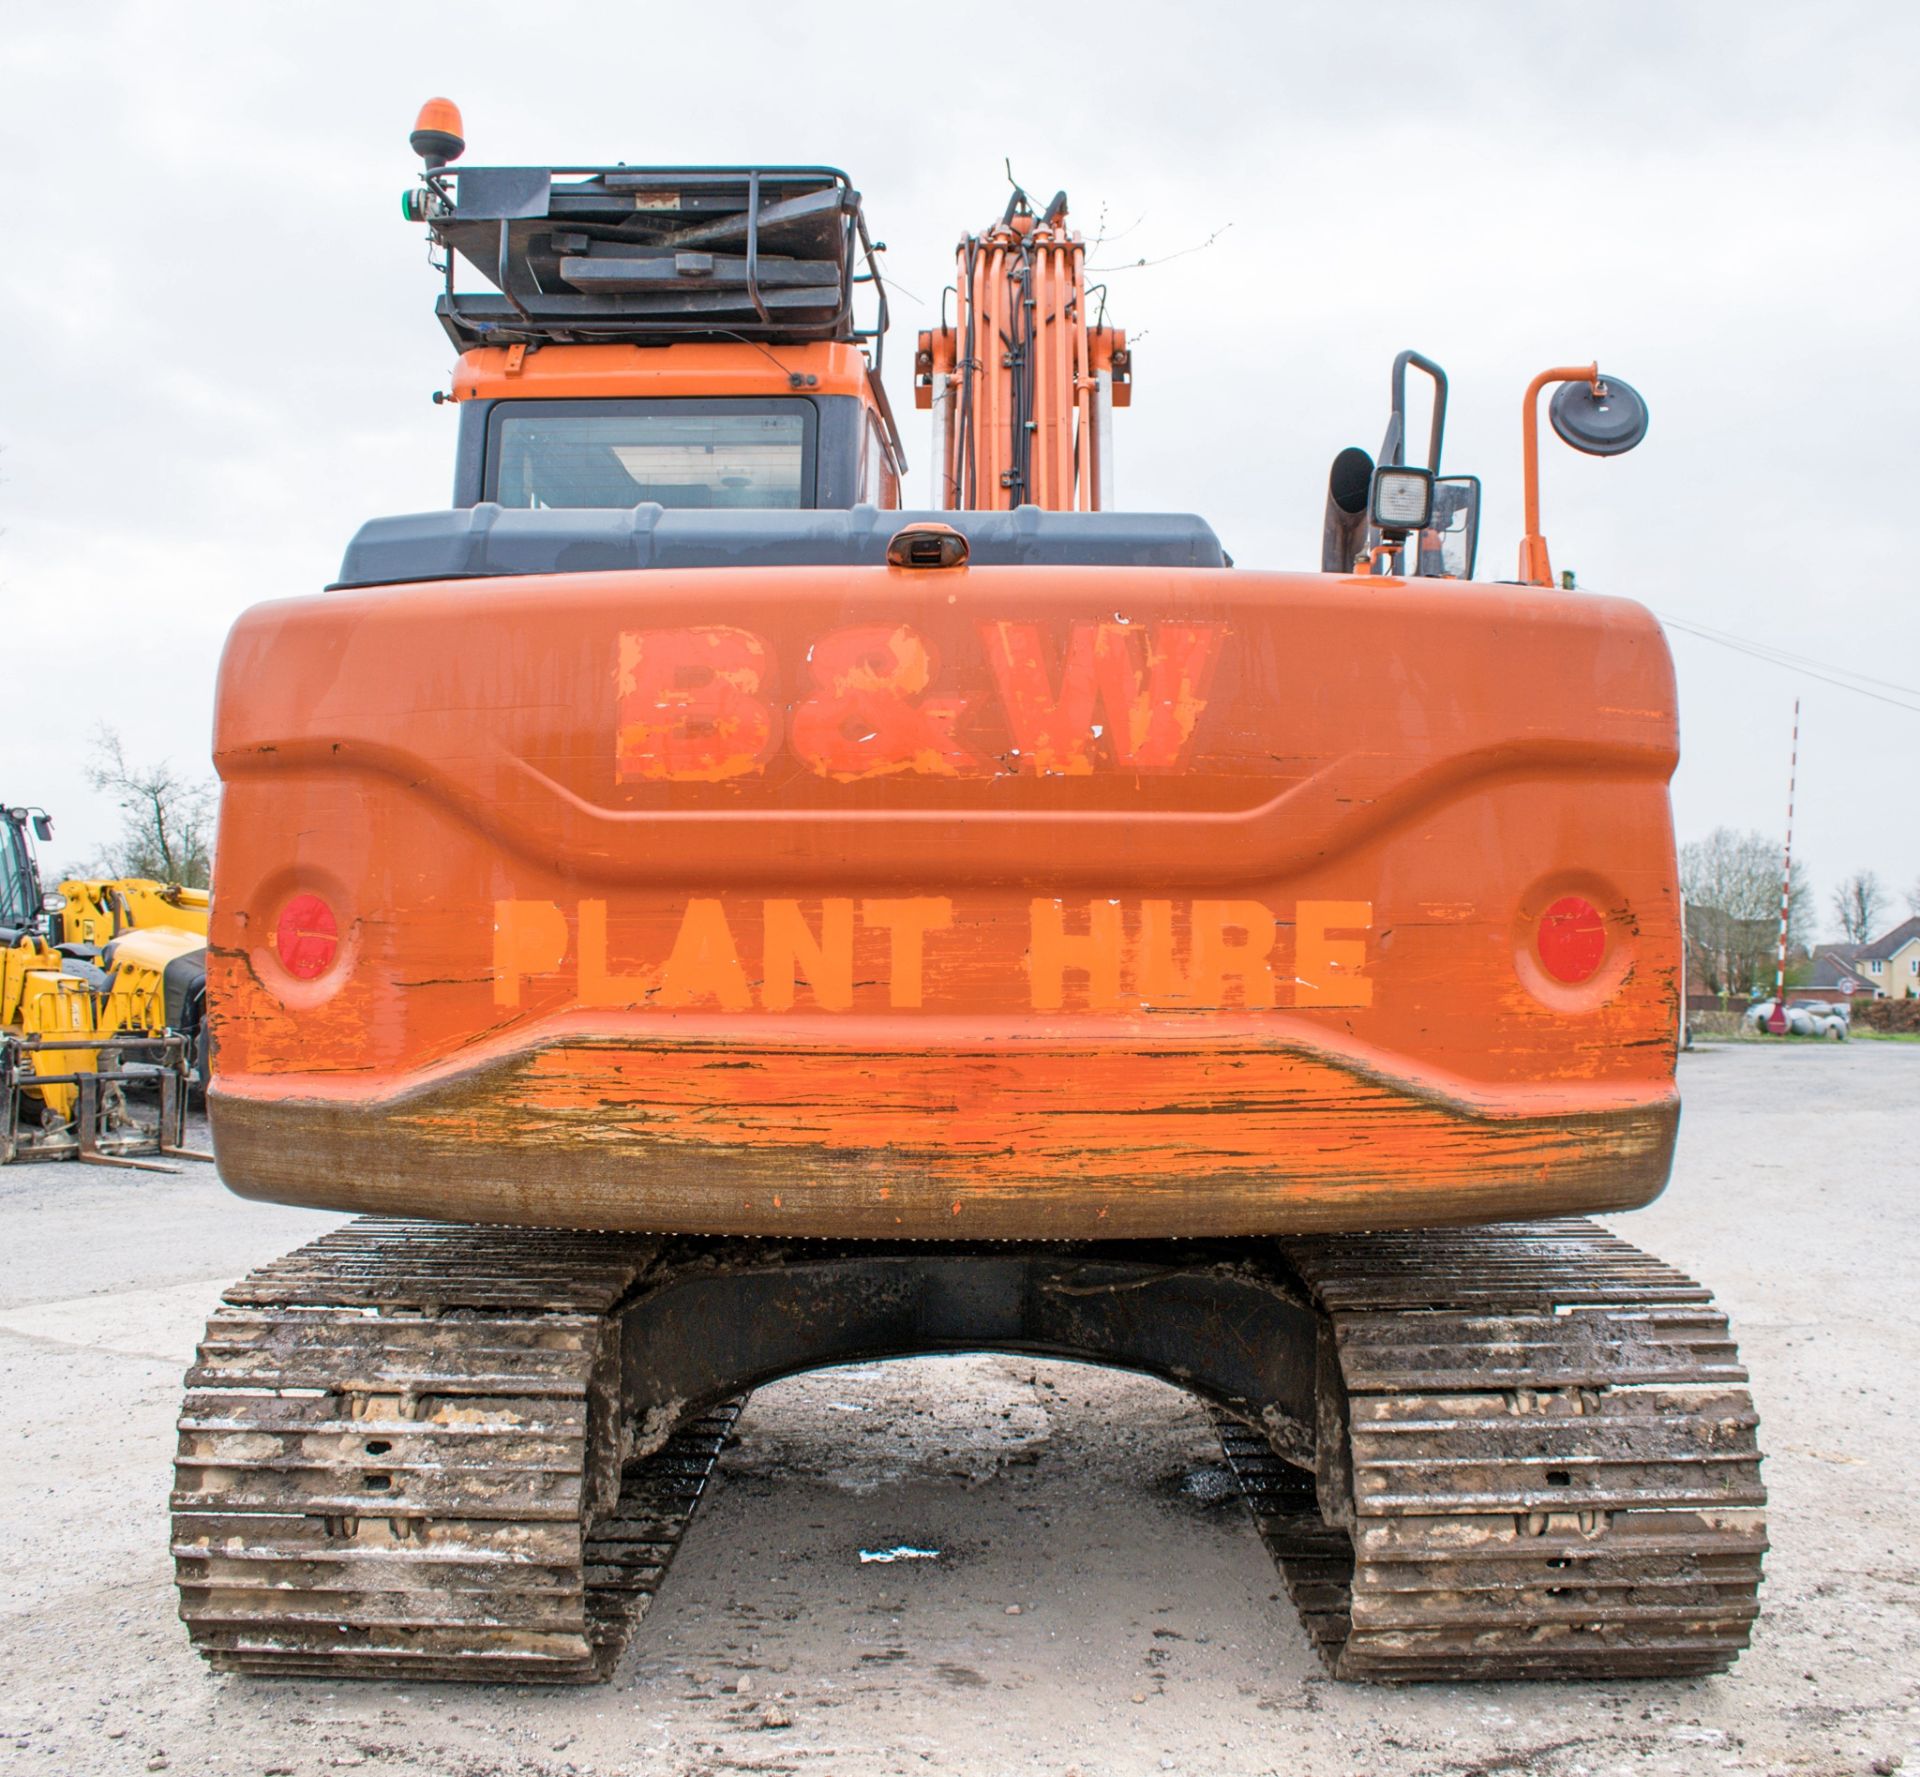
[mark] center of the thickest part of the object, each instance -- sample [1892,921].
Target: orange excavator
[714,923]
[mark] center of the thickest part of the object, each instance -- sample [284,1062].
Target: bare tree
[1731,882]
[1913,897]
[166,816]
[1857,904]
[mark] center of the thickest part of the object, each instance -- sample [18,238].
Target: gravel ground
[1095,1606]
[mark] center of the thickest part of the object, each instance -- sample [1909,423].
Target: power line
[1787,656]
[1844,678]
[1824,671]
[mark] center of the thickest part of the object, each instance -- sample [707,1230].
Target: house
[1836,975]
[1890,965]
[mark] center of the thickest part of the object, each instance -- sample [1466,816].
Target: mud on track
[1091,1501]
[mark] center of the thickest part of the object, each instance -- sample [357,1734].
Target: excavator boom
[1023,384]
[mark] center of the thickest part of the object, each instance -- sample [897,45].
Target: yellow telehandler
[102,989]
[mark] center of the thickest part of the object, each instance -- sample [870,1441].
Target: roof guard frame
[531,314]
[517,224]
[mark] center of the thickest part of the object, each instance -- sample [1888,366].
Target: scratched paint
[689,709]
[715,1137]
[1012,1117]
[1171,902]
[1140,688]
[698,704]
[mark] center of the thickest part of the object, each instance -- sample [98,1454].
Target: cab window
[17,906]
[685,455]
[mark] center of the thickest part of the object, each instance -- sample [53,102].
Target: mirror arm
[1396,427]
[1393,446]
[1535,568]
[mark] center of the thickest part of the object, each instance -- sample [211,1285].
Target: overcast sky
[219,348]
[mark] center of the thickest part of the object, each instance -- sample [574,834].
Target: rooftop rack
[649,255]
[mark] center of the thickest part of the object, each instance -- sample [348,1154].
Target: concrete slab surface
[1098,1603]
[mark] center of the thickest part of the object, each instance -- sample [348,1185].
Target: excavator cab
[696,338]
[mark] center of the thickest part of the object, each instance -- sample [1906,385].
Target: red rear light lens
[1572,939]
[307,937]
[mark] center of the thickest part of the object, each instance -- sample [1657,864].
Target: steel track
[401,1456]
[1550,1467]
[414,1450]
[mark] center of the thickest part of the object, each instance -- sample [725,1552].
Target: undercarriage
[419,1450]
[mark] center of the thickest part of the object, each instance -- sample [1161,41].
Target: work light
[1402,499]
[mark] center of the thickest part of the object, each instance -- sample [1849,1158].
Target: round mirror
[1602,425]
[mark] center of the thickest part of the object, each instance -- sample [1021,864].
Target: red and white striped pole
[1777,1018]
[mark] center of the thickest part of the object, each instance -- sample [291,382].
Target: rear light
[1572,940]
[307,937]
